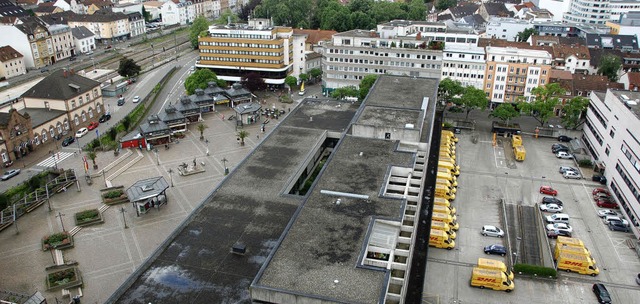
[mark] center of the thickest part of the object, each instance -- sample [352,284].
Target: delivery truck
[444,192]
[516,140]
[577,263]
[445,218]
[519,153]
[440,239]
[444,227]
[494,279]
[455,170]
[448,176]
[444,202]
[495,265]
[450,135]
[444,182]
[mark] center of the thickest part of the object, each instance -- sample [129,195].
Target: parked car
[559,147]
[572,175]
[81,132]
[564,155]
[600,190]
[89,53]
[564,138]
[618,226]
[548,190]
[44,70]
[551,208]
[601,293]
[599,178]
[67,141]
[555,233]
[564,169]
[559,226]
[104,118]
[602,196]
[121,101]
[609,218]
[495,249]
[604,203]
[551,200]
[108,47]
[489,230]
[73,58]
[602,213]
[93,125]
[9,174]
[136,99]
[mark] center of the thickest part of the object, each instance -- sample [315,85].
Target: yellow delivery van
[494,279]
[445,218]
[444,227]
[495,265]
[444,202]
[440,239]
[520,153]
[577,263]
[444,192]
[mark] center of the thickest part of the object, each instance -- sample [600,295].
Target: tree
[505,112]
[472,99]
[449,90]
[199,25]
[416,10]
[253,82]
[573,112]
[303,77]
[200,80]
[339,93]
[224,17]
[315,73]
[445,4]
[544,104]
[92,156]
[609,66]
[291,81]
[365,85]
[128,68]
[245,10]
[524,35]
[146,15]
[242,134]
[201,127]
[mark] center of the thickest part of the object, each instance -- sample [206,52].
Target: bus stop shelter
[148,193]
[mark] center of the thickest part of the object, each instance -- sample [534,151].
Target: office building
[464,63]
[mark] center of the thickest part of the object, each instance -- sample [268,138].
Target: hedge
[535,270]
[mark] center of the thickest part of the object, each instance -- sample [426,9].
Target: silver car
[489,230]
[571,174]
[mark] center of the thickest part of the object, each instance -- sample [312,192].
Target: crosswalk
[55,159]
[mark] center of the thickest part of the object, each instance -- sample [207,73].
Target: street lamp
[224,164]
[122,210]
[60,215]
[157,160]
[171,176]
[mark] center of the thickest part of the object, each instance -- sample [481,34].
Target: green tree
[609,66]
[242,134]
[128,68]
[336,17]
[417,10]
[92,156]
[291,81]
[315,73]
[303,77]
[339,93]
[200,80]
[524,35]
[365,85]
[445,4]
[198,26]
[544,103]
[146,15]
[472,99]
[4,201]
[253,82]
[201,127]
[573,112]
[360,20]
[224,17]
[449,90]
[505,112]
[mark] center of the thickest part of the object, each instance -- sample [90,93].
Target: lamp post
[157,159]
[171,176]
[60,215]
[55,162]
[105,179]
[94,64]
[124,219]
[224,164]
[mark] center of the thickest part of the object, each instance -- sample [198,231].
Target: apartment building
[512,72]
[572,58]
[177,13]
[588,11]
[63,44]
[506,28]
[628,24]
[32,39]
[106,25]
[464,63]
[84,39]
[136,24]
[11,63]
[425,31]
[234,50]
[621,7]
[611,134]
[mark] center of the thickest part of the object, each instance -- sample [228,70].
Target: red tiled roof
[560,74]
[594,83]
[484,42]
[634,78]
[564,51]
[315,36]
[8,53]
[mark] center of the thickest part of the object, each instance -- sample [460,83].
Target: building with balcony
[464,63]
[512,72]
[234,50]
[611,134]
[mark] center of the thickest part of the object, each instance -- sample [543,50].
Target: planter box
[66,243]
[114,201]
[93,221]
[64,279]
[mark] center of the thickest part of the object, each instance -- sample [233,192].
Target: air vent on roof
[624,97]
[74,86]
[146,188]
[632,102]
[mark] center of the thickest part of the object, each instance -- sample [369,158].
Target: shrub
[87,215]
[113,194]
[535,270]
[455,109]
[585,163]
[447,126]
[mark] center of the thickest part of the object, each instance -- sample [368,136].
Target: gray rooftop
[41,116]
[323,113]
[147,188]
[631,99]
[61,85]
[393,118]
[403,92]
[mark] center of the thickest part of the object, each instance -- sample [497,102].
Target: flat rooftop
[251,206]
[325,242]
[393,118]
[631,99]
[403,92]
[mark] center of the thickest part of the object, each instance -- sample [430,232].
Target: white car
[551,208]
[609,218]
[136,99]
[564,169]
[571,174]
[489,230]
[81,132]
[559,226]
[602,213]
[565,155]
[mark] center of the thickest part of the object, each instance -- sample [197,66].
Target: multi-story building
[512,72]
[203,8]
[106,25]
[611,135]
[11,62]
[176,12]
[425,31]
[63,44]
[136,24]
[84,39]
[232,51]
[567,29]
[31,38]
[153,8]
[628,24]
[588,11]
[572,58]
[464,63]
[621,7]
[556,7]
[506,28]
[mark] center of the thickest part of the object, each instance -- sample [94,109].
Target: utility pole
[122,210]
[171,176]
[60,215]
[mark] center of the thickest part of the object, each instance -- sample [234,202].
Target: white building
[63,44]
[464,63]
[556,7]
[621,7]
[136,24]
[588,11]
[153,8]
[84,39]
[127,8]
[177,13]
[423,30]
[11,63]
[611,134]
[506,28]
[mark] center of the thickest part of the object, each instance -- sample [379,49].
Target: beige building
[11,62]
[62,38]
[106,25]
[38,41]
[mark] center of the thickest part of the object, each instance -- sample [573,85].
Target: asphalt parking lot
[489,174]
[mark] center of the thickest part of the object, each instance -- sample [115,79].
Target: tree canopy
[609,66]
[291,81]
[445,4]
[472,99]
[365,85]
[573,112]
[339,93]
[524,35]
[505,112]
[200,80]
[253,82]
[128,68]
[199,25]
[224,17]
[449,90]
[543,106]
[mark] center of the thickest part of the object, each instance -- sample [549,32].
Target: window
[76,120]
[44,135]
[612,133]
[606,151]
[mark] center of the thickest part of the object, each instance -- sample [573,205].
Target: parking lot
[490,174]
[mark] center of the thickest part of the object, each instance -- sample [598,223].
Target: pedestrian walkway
[54,160]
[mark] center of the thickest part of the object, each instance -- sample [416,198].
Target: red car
[93,125]
[603,203]
[600,190]
[548,190]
